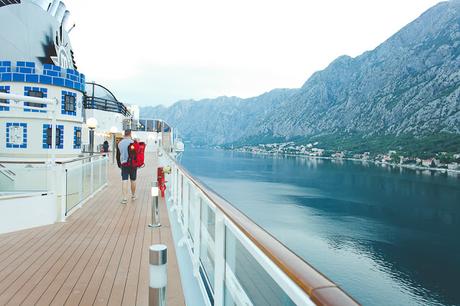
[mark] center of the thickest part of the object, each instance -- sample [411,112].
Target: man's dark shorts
[128,172]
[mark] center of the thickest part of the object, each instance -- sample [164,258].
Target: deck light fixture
[91,123]
[113,131]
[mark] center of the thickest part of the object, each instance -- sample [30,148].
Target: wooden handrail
[317,286]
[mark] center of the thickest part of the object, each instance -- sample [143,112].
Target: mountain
[221,120]
[409,85]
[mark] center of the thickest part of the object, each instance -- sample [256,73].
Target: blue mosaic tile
[7,77]
[25,70]
[52,73]
[19,77]
[32,78]
[45,79]
[58,81]
[68,83]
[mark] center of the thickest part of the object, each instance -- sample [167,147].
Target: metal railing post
[219,259]
[91,187]
[155,209]
[195,212]
[158,260]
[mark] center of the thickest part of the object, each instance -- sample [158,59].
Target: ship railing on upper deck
[106,105]
[235,261]
[83,178]
[61,187]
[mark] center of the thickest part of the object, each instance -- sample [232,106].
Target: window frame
[49,135]
[3,100]
[33,104]
[78,138]
[67,103]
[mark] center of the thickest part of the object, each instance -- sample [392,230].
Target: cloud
[155,51]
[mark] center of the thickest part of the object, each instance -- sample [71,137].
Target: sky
[151,52]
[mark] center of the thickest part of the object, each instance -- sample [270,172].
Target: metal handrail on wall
[299,281]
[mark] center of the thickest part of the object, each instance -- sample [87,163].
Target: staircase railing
[7,173]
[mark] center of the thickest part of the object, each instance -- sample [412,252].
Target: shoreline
[411,167]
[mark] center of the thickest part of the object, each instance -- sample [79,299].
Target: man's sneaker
[133,197]
[124,201]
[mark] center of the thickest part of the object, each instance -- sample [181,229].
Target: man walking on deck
[127,170]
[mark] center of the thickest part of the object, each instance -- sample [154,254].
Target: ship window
[69,103]
[35,94]
[150,126]
[49,135]
[158,126]
[3,100]
[78,137]
[141,126]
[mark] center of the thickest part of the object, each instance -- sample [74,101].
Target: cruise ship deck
[99,256]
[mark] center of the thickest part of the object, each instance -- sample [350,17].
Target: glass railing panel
[23,177]
[105,164]
[246,280]
[207,245]
[96,174]
[193,211]
[86,180]
[181,197]
[74,187]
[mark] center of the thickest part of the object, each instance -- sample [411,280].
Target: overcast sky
[151,52]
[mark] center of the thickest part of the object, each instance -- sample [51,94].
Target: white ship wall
[34,124]
[40,211]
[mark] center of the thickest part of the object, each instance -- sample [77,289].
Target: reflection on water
[388,235]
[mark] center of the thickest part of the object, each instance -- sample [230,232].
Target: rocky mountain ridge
[409,85]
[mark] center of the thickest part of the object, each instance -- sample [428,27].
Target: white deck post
[196,235]
[158,270]
[219,259]
[63,182]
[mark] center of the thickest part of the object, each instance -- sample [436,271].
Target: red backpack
[136,154]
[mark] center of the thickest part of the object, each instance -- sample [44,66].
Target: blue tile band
[51,75]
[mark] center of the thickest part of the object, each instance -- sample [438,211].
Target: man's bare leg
[124,190]
[133,190]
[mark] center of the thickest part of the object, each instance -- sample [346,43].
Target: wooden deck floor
[98,257]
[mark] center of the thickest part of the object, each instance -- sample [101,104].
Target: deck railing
[237,262]
[72,181]
[84,177]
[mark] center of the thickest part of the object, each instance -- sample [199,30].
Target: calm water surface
[388,236]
